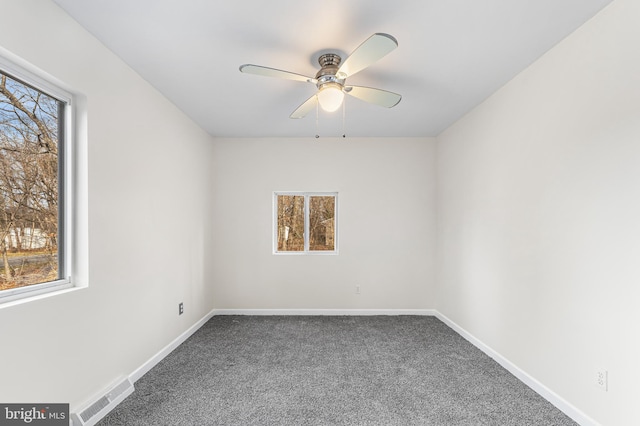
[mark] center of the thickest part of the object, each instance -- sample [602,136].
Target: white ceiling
[452,55]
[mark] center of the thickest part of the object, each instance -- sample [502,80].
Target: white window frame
[44,83]
[306,250]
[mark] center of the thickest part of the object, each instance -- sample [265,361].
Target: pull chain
[317,115]
[344,107]
[344,119]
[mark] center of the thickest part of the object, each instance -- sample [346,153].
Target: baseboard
[154,360]
[141,371]
[325,312]
[567,408]
[560,403]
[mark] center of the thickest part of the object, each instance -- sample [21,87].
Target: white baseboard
[325,312]
[560,403]
[141,371]
[154,360]
[545,392]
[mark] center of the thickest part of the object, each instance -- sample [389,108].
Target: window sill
[305,253]
[7,301]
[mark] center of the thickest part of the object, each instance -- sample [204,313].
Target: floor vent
[90,415]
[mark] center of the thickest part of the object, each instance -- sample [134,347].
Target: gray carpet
[341,370]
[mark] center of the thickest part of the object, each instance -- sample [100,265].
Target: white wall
[145,235]
[537,221]
[386,223]
[538,208]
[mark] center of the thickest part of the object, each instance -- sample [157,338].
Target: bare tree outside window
[290,223]
[305,222]
[30,129]
[322,222]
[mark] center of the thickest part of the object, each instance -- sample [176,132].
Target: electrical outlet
[180,308]
[602,379]
[357,289]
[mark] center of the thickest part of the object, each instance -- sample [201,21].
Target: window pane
[290,223]
[322,222]
[29,132]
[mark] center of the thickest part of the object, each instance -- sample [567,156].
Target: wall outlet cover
[602,379]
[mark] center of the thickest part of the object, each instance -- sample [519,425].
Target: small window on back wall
[305,222]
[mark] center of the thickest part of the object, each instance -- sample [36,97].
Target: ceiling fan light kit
[330,79]
[330,96]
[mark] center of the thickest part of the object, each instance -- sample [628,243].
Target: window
[34,213]
[305,222]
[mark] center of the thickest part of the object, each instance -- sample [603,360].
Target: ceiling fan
[331,78]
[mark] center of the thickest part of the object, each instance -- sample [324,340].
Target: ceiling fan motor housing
[330,63]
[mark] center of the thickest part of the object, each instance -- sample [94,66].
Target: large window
[34,119]
[305,222]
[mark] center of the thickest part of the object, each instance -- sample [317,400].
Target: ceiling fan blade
[374,96]
[305,108]
[370,51]
[272,72]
